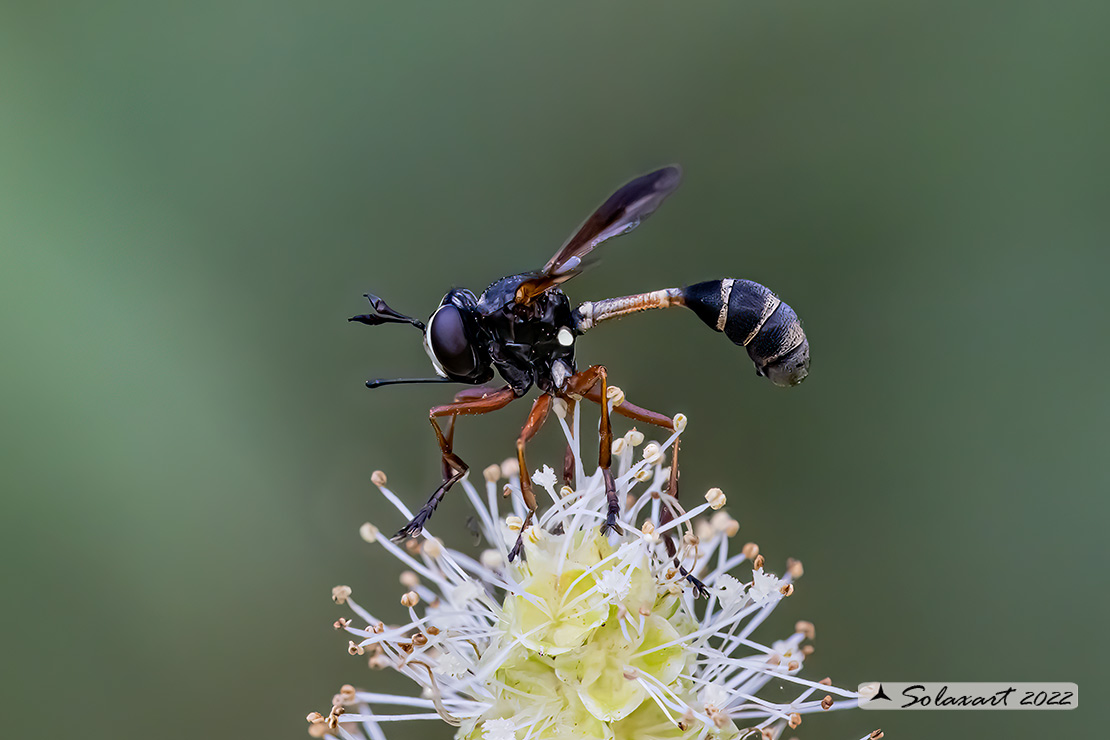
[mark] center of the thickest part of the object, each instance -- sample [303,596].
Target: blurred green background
[194,198]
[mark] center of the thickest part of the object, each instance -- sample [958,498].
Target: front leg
[453,466]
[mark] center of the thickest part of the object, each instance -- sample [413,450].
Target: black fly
[524,328]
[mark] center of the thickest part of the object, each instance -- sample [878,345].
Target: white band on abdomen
[726,292]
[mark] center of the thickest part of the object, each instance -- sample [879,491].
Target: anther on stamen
[722,522]
[354,648]
[346,694]
[615,395]
[786,589]
[635,437]
[368,532]
[342,623]
[506,491]
[877,735]
[514,523]
[795,720]
[757,564]
[827,702]
[716,498]
[806,628]
[794,568]
[750,550]
[643,475]
[720,719]
[492,473]
[333,719]
[409,579]
[653,453]
[378,478]
[618,445]
[433,547]
[679,422]
[510,468]
[559,406]
[410,599]
[491,559]
[340,594]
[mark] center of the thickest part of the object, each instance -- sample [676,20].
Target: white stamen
[476,633]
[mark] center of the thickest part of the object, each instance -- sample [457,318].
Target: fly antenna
[384,315]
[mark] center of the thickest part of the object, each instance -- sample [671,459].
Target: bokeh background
[194,198]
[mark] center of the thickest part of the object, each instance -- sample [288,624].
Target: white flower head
[498,729]
[730,592]
[545,477]
[615,583]
[451,665]
[765,587]
[585,634]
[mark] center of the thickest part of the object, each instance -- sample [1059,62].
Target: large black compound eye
[448,343]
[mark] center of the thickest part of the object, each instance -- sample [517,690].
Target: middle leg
[536,418]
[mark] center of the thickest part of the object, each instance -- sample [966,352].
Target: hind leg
[637,413]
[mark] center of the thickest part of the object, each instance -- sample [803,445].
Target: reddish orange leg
[637,413]
[466,394]
[540,409]
[579,384]
[454,467]
[569,468]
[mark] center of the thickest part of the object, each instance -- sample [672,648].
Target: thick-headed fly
[524,328]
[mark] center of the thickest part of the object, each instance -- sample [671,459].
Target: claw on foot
[611,524]
[414,527]
[518,548]
[700,591]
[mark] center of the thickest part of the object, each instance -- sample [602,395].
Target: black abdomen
[753,317]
